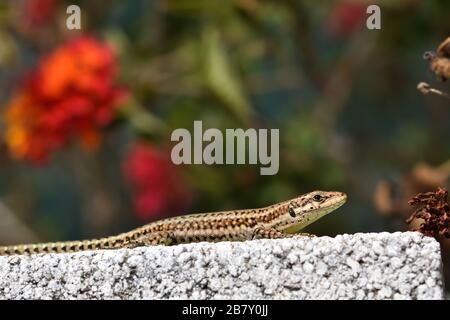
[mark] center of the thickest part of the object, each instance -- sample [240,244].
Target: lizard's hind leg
[267,233]
[165,238]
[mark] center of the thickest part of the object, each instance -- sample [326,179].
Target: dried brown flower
[440,60]
[434,211]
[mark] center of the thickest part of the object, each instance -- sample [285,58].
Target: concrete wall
[360,266]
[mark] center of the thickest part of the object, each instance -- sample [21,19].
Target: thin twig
[425,88]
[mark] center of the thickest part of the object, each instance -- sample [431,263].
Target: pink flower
[38,12]
[158,186]
[346,18]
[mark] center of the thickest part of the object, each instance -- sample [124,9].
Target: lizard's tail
[114,242]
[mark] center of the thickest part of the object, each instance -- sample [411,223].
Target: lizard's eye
[292,212]
[317,197]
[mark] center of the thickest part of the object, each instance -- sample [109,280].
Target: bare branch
[425,89]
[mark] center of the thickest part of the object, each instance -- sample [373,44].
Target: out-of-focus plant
[159,187]
[440,64]
[38,13]
[71,95]
[346,18]
[433,212]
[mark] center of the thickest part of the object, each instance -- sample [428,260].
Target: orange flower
[70,95]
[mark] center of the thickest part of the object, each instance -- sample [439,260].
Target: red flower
[38,12]
[158,186]
[346,18]
[70,95]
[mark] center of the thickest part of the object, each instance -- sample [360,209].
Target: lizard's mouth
[336,202]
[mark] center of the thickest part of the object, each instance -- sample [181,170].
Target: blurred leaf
[118,40]
[412,139]
[8,49]
[141,119]
[220,76]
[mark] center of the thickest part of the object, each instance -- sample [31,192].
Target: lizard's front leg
[269,233]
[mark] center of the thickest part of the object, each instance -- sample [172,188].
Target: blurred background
[87,114]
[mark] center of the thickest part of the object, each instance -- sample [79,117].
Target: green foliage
[340,100]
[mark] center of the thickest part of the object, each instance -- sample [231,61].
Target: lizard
[284,219]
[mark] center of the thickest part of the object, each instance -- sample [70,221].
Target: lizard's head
[310,207]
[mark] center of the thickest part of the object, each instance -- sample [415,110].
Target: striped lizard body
[276,221]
